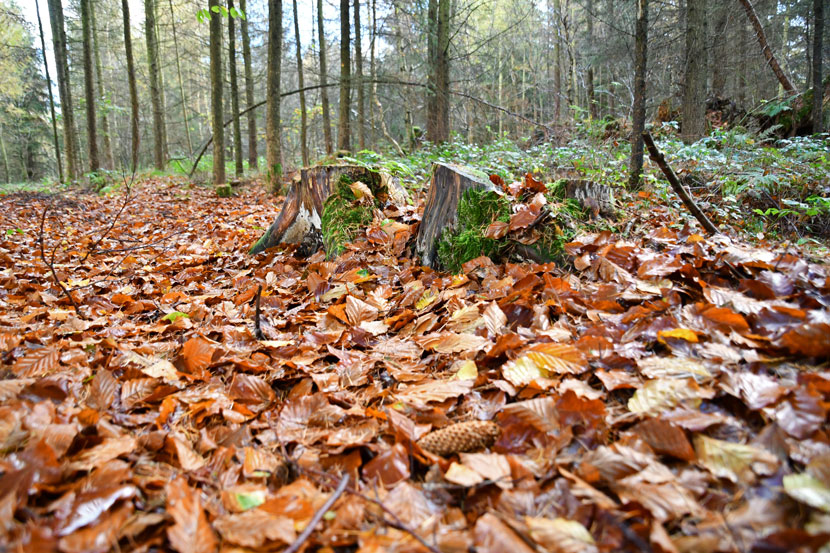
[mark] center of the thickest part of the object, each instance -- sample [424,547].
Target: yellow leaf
[682,333]
[467,370]
[662,394]
[523,371]
[561,535]
[427,298]
[808,489]
[733,461]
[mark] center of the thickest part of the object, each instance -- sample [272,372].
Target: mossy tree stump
[448,184]
[300,220]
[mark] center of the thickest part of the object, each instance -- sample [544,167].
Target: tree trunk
[770,57]
[438,101]
[273,141]
[89,87]
[720,49]
[109,161]
[589,77]
[155,82]
[693,119]
[818,88]
[253,160]
[51,98]
[303,115]
[128,47]
[557,57]
[299,221]
[324,95]
[344,140]
[448,184]
[639,107]
[6,175]
[358,57]
[181,81]
[216,95]
[237,132]
[373,75]
[70,137]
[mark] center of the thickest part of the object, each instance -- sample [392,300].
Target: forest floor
[662,391]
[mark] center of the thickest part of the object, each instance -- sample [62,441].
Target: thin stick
[318,516]
[257,327]
[51,265]
[657,157]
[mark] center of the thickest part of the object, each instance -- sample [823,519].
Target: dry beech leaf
[197,355]
[663,394]
[559,535]
[106,451]
[420,395]
[255,528]
[494,536]
[39,362]
[190,531]
[665,438]
[735,462]
[358,311]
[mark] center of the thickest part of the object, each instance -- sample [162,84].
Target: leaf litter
[662,392]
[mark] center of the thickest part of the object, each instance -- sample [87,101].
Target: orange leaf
[197,355]
[39,362]
[190,531]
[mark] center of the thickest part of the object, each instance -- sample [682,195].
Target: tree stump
[299,221]
[448,184]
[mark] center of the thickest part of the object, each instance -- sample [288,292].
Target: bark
[70,137]
[639,107]
[89,87]
[693,119]
[557,68]
[372,73]
[303,115]
[6,175]
[324,95]
[155,82]
[818,88]
[128,47]
[253,160]
[51,98]
[358,65]
[109,161]
[448,184]
[273,142]
[237,132]
[589,77]
[720,49]
[438,104]
[767,51]
[432,55]
[181,81]
[299,221]
[344,139]
[216,95]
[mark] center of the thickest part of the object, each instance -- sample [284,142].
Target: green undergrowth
[344,216]
[479,208]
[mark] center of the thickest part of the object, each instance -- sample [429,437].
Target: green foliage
[476,210]
[343,217]
[174,315]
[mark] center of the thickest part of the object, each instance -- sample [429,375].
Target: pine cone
[461,437]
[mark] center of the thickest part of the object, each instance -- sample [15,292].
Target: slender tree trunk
[639,107]
[253,160]
[273,140]
[51,98]
[303,115]
[720,49]
[6,175]
[237,131]
[770,57]
[344,140]
[89,87]
[324,95]
[109,162]
[373,75]
[438,99]
[432,59]
[358,57]
[818,88]
[693,121]
[589,77]
[70,137]
[557,56]
[181,81]
[155,82]
[128,47]
[216,95]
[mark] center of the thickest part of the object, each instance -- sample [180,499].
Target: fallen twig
[657,157]
[51,264]
[318,516]
[257,313]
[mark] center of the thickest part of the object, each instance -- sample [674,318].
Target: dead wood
[657,157]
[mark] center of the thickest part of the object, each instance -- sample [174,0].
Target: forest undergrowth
[657,390]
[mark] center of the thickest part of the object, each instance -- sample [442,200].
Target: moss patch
[478,208]
[344,216]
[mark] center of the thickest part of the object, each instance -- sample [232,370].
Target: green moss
[479,208]
[343,217]
[476,210]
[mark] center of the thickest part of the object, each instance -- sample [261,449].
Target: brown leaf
[190,531]
[254,528]
[494,536]
[99,538]
[197,355]
[358,311]
[665,438]
[496,230]
[811,340]
[39,362]
[106,451]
